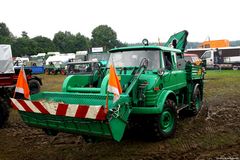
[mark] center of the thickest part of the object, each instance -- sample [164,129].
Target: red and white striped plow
[60,109]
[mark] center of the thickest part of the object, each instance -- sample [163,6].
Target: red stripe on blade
[40,107]
[62,109]
[101,114]
[82,111]
[24,105]
[13,105]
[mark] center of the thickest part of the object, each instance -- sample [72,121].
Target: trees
[104,36]
[23,46]
[43,44]
[66,42]
[6,37]
[82,42]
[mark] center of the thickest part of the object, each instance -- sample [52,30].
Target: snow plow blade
[79,113]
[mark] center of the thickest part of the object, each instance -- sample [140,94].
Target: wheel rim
[33,88]
[197,103]
[167,121]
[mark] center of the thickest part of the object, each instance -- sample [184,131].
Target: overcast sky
[133,20]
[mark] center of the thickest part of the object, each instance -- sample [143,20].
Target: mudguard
[160,104]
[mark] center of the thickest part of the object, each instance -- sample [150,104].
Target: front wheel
[164,125]
[34,86]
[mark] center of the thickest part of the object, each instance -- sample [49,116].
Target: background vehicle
[226,58]
[215,43]
[192,58]
[92,70]
[8,79]
[157,84]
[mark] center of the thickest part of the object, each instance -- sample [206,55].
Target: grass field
[213,134]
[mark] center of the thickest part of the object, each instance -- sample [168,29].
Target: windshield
[134,58]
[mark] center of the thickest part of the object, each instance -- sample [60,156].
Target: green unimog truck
[157,85]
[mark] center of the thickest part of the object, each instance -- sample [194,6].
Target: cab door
[173,78]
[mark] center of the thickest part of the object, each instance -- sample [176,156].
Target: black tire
[235,67]
[4,113]
[196,103]
[53,72]
[34,86]
[63,72]
[164,124]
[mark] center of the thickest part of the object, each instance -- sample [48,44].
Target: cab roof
[145,48]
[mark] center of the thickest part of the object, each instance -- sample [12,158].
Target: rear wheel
[63,72]
[4,113]
[196,101]
[53,72]
[235,67]
[164,125]
[34,86]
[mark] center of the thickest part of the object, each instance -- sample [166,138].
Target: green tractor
[157,85]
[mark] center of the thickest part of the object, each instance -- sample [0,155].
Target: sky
[132,20]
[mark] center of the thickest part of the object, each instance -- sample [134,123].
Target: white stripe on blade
[17,104]
[50,107]
[92,112]
[32,106]
[72,110]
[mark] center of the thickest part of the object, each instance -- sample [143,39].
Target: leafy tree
[104,36]
[66,42]
[23,46]
[81,42]
[24,34]
[43,44]
[6,37]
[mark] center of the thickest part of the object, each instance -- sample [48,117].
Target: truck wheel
[164,125]
[4,113]
[196,101]
[235,67]
[34,86]
[63,72]
[53,72]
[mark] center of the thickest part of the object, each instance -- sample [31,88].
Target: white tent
[63,58]
[6,62]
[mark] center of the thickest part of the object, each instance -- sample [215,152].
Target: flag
[22,84]
[114,85]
